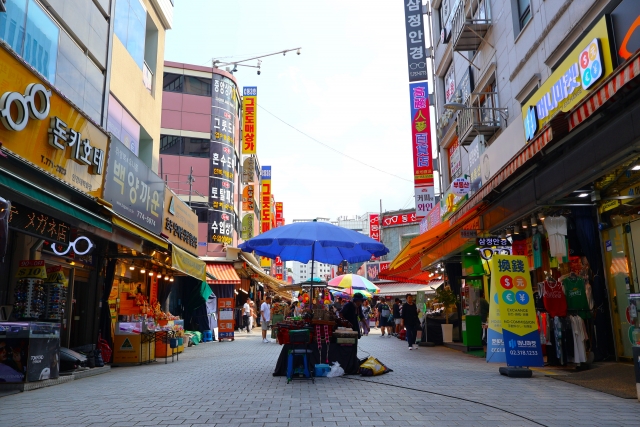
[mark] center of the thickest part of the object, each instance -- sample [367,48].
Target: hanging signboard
[414,26]
[265,199]
[374,226]
[461,186]
[279,214]
[29,221]
[180,222]
[401,219]
[135,191]
[511,280]
[425,200]
[247,227]
[249,119]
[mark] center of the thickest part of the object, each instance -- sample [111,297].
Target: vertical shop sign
[374,226]
[247,227]
[279,264]
[133,189]
[421,143]
[495,340]
[226,320]
[373,271]
[265,199]
[249,119]
[512,283]
[416,55]
[248,198]
[279,214]
[223,163]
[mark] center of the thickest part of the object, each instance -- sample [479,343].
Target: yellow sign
[608,205]
[249,119]
[188,264]
[41,127]
[265,262]
[32,269]
[571,81]
[180,223]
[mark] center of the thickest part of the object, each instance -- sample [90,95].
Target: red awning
[225,274]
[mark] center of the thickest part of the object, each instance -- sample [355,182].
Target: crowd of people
[358,311]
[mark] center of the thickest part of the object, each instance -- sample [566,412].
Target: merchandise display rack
[30,299]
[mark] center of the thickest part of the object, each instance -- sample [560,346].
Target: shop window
[130,26]
[31,32]
[173,82]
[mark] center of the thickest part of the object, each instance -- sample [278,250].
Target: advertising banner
[392,220]
[279,214]
[225,319]
[223,162]
[247,227]
[416,55]
[180,222]
[265,199]
[421,134]
[43,128]
[511,283]
[373,271]
[279,264]
[571,81]
[433,218]
[374,226]
[135,191]
[495,341]
[249,119]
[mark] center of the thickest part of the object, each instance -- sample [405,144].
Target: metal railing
[482,115]
[467,13]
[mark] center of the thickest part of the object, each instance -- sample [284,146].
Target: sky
[348,89]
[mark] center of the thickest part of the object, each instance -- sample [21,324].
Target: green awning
[31,190]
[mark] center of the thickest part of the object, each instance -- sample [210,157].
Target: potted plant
[447,298]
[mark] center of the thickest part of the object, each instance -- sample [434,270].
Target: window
[130,25]
[524,12]
[197,85]
[173,82]
[195,147]
[170,144]
[32,33]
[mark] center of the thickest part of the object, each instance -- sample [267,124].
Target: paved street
[230,383]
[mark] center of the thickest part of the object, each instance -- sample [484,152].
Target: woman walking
[364,324]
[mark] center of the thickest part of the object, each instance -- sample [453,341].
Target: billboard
[265,199]
[414,26]
[249,119]
[223,164]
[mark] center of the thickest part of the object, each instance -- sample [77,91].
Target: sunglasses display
[37,300]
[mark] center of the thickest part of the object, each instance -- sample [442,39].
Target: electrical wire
[447,395]
[333,149]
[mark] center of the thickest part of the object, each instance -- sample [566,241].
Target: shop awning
[225,274]
[28,189]
[134,229]
[277,286]
[188,264]
[394,289]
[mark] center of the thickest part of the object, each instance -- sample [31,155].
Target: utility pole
[190,181]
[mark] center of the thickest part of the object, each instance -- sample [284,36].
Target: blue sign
[495,347]
[531,123]
[522,350]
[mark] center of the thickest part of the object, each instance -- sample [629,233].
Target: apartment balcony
[480,116]
[470,24]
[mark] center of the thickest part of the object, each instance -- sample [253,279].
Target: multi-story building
[527,129]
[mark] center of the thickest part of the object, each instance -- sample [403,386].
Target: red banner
[279,214]
[421,134]
[374,226]
[391,220]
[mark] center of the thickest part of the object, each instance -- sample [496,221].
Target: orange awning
[225,274]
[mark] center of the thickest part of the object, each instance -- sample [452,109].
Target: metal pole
[313,248]
[191,181]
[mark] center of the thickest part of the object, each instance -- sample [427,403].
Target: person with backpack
[386,318]
[397,317]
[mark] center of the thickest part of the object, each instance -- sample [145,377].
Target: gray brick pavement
[230,384]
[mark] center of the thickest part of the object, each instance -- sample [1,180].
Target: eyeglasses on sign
[72,245]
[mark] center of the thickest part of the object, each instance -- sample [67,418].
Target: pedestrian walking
[337,306]
[397,317]
[246,312]
[386,318]
[265,316]
[411,320]
[252,314]
[364,324]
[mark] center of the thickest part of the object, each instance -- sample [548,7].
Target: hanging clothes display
[579,337]
[556,227]
[576,294]
[553,296]
[557,329]
[537,250]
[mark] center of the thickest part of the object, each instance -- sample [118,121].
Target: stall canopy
[396,289]
[225,274]
[187,263]
[279,287]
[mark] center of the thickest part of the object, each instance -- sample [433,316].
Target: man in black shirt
[352,311]
[411,321]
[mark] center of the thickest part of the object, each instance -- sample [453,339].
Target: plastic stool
[292,357]
[207,336]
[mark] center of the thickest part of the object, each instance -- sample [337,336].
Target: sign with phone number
[513,293]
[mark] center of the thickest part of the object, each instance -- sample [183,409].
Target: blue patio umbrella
[315,241]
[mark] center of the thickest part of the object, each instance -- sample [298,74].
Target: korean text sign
[48,131]
[279,214]
[421,134]
[180,222]
[133,189]
[416,55]
[571,81]
[511,280]
[265,198]
[249,119]
[374,226]
[223,163]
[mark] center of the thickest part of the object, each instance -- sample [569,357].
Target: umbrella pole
[313,248]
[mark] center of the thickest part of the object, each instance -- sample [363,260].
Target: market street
[230,383]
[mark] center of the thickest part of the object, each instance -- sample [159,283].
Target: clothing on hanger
[537,250]
[576,294]
[555,301]
[556,227]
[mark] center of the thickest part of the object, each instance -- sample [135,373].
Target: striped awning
[394,289]
[225,274]
[605,92]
